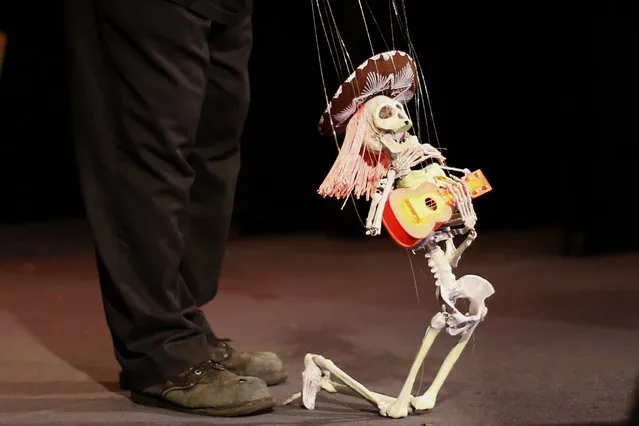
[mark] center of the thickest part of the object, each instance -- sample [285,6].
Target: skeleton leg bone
[317,374]
[402,405]
[329,386]
[476,289]
[428,399]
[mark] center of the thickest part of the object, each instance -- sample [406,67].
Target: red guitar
[410,215]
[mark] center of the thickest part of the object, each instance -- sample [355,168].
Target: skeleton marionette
[422,208]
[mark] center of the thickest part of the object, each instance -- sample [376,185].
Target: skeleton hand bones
[463,199]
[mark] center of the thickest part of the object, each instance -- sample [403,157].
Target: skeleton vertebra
[388,133]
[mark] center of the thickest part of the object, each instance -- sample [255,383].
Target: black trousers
[159,94]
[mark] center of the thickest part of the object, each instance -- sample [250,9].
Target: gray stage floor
[560,344]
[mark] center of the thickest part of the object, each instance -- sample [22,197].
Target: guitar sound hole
[430,203]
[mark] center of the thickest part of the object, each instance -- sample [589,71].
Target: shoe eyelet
[197,372]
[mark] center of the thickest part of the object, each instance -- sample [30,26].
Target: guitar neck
[477,185]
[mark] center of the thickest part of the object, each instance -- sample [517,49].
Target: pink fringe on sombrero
[356,170]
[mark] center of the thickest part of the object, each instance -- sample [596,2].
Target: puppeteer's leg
[138,86]
[216,156]
[215,160]
[138,89]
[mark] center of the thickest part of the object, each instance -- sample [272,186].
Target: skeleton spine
[440,267]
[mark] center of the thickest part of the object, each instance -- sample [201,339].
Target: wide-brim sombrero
[392,73]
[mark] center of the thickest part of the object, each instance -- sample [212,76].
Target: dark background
[541,98]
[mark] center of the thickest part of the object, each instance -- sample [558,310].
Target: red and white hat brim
[392,73]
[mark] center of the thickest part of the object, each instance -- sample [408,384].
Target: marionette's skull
[389,115]
[389,124]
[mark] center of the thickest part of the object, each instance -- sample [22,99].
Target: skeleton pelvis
[476,289]
[413,214]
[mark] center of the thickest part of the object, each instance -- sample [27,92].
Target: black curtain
[541,99]
[37,168]
[598,110]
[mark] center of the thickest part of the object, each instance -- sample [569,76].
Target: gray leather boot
[208,389]
[265,365]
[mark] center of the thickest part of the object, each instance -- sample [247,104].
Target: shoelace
[208,365]
[223,344]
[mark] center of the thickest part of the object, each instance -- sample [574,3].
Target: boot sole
[272,380]
[253,407]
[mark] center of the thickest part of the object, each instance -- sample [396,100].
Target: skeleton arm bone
[409,153]
[379,211]
[467,218]
[372,209]
[420,152]
[454,254]
[376,209]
